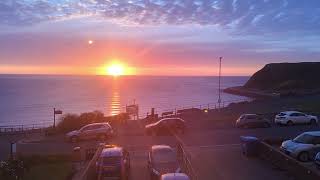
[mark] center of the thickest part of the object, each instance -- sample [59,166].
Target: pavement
[215,153]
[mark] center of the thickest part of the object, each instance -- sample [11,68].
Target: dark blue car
[113,163]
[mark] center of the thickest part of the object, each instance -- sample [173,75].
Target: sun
[115,70]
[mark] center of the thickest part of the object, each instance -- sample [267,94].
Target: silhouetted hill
[286,76]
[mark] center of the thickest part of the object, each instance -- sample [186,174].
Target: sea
[30,99]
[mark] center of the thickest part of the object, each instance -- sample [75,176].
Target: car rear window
[111,160]
[164,156]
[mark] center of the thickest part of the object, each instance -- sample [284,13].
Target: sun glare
[115,70]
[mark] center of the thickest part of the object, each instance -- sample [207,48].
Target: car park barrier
[185,161]
[284,162]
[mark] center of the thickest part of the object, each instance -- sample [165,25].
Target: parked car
[252,120]
[304,147]
[166,125]
[113,163]
[91,131]
[174,176]
[294,117]
[162,159]
[317,160]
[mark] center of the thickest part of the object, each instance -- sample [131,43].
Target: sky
[156,37]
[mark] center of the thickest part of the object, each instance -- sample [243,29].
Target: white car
[162,160]
[91,131]
[295,117]
[304,147]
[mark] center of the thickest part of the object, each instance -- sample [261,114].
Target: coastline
[241,91]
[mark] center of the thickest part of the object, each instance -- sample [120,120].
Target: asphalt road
[215,153]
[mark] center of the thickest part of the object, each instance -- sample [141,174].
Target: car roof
[313,133]
[112,152]
[164,119]
[92,124]
[159,147]
[249,115]
[175,176]
[290,112]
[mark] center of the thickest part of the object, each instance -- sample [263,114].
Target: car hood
[164,168]
[73,133]
[290,145]
[314,117]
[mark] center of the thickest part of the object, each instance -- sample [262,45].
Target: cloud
[253,16]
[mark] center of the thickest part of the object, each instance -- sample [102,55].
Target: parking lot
[215,153]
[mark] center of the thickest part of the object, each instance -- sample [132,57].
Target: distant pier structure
[133,110]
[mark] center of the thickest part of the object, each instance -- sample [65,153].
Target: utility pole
[54,117]
[219,99]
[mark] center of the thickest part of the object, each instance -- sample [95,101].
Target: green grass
[52,171]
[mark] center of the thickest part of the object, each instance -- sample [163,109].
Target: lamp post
[219,98]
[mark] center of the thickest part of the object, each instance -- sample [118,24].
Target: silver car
[304,147]
[162,160]
[91,131]
[252,121]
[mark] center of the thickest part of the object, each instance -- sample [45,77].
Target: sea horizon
[30,99]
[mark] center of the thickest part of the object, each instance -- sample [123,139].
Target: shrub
[70,122]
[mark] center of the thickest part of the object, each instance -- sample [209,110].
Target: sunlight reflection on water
[115,106]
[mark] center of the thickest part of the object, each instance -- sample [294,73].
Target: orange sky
[173,71]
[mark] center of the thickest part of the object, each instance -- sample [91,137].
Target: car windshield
[164,156]
[111,160]
[304,138]
[282,114]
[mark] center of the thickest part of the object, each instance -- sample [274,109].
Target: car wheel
[180,131]
[246,126]
[266,125]
[153,133]
[74,139]
[313,122]
[102,137]
[152,176]
[303,156]
[290,123]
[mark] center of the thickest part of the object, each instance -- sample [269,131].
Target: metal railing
[15,129]
[185,161]
[285,162]
[89,173]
